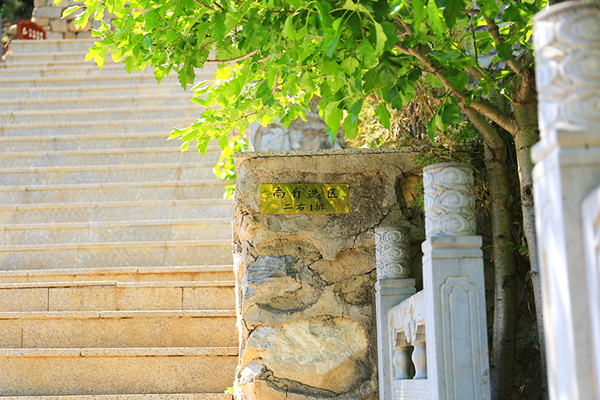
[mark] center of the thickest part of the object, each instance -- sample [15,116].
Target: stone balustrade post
[394,284]
[454,287]
[567,157]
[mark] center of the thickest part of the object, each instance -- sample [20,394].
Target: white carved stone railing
[566,178]
[437,340]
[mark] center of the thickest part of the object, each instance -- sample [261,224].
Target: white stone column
[394,285]
[457,350]
[567,43]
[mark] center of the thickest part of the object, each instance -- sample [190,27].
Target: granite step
[91,91]
[177,396]
[86,103]
[122,274]
[94,127]
[190,111]
[116,231]
[106,254]
[93,329]
[85,371]
[116,191]
[106,173]
[51,46]
[116,296]
[147,155]
[122,78]
[43,59]
[98,141]
[115,211]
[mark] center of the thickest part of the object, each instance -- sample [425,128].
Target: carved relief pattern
[449,200]
[568,68]
[393,252]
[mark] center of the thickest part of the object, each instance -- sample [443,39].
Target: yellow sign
[300,198]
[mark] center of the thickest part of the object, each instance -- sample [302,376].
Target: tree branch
[245,56]
[209,7]
[483,106]
[517,67]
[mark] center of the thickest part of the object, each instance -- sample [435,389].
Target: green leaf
[289,31]
[202,144]
[366,53]
[434,18]
[70,10]
[450,114]
[453,11]
[349,65]
[381,39]
[419,8]
[332,116]
[217,27]
[384,115]
[306,83]
[489,8]
[505,51]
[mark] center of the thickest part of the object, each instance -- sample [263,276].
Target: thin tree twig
[523,72]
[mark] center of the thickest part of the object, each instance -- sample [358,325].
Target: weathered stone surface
[47,12]
[297,272]
[54,35]
[41,21]
[325,353]
[58,25]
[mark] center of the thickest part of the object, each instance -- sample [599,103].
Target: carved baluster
[402,358]
[419,355]
[393,252]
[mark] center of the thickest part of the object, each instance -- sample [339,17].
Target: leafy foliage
[276,54]
[225,168]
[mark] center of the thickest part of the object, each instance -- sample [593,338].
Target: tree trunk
[505,295]
[526,136]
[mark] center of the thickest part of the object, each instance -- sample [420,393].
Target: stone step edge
[117,245]
[104,284]
[100,77]
[60,153]
[54,315]
[105,168]
[118,224]
[87,124]
[166,96]
[113,204]
[91,136]
[76,66]
[152,396]
[131,110]
[94,88]
[114,185]
[117,271]
[121,352]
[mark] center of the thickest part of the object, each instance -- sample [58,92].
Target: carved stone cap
[449,200]
[565,38]
[567,6]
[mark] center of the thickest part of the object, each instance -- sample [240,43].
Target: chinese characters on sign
[304,199]
[29,30]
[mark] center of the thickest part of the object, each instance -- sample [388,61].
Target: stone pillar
[304,282]
[394,285]
[457,350]
[567,43]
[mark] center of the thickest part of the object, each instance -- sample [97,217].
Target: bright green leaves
[419,9]
[381,38]
[366,54]
[448,113]
[384,115]
[217,27]
[434,18]
[453,11]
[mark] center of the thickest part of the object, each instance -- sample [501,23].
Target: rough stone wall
[47,14]
[305,281]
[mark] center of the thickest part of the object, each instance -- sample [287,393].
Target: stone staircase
[115,248]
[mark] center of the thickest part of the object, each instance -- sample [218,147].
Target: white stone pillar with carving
[567,43]
[394,284]
[457,350]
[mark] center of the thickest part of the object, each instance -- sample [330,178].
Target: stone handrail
[441,329]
